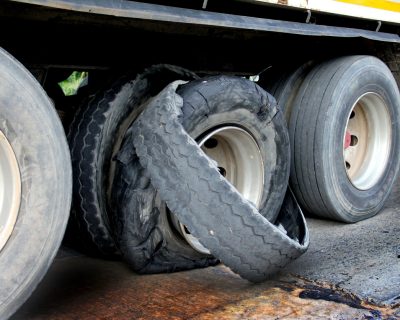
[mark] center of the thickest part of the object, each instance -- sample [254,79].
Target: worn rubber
[287,87]
[142,226]
[225,100]
[32,127]
[213,210]
[319,116]
[95,133]
[145,236]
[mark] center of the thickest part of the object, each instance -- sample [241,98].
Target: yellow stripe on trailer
[377,4]
[378,10]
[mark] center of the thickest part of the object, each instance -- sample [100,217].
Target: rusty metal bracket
[308,16]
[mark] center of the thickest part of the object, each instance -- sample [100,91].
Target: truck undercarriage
[190,127]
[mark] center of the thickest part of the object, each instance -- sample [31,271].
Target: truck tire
[287,87]
[36,184]
[94,136]
[344,134]
[222,114]
[204,201]
[142,224]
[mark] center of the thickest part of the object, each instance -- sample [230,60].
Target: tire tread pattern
[92,125]
[227,224]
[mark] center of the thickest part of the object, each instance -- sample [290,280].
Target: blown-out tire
[225,113]
[94,136]
[142,225]
[193,188]
[35,183]
[344,134]
[220,102]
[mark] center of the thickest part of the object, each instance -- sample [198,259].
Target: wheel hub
[367,141]
[239,160]
[10,190]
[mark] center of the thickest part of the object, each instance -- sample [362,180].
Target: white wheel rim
[239,160]
[10,190]
[367,141]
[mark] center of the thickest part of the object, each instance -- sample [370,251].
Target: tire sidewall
[121,113]
[287,90]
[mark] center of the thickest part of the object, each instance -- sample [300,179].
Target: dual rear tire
[344,133]
[336,171]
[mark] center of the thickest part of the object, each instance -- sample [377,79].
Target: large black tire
[34,132]
[94,136]
[144,227]
[213,210]
[323,113]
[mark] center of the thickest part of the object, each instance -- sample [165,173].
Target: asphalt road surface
[349,272]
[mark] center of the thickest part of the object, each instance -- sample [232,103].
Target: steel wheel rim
[239,160]
[10,190]
[367,141]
